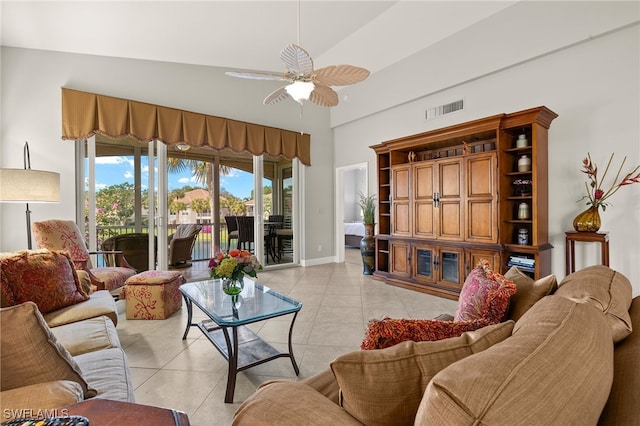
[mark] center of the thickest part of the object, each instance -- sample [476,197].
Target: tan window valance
[85,114]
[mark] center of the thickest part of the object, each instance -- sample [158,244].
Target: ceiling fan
[305,83]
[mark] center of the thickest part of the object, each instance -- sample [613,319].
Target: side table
[104,412]
[587,237]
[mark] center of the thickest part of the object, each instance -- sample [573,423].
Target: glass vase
[588,220]
[232,287]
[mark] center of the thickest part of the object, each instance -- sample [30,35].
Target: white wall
[594,88]
[354,185]
[31,110]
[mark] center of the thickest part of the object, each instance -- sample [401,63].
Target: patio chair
[285,237]
[245,232]
[275,222]
[232,230]
[181,244]
[134,247]
[65,235]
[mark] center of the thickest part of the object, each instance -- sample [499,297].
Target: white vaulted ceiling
[245,35]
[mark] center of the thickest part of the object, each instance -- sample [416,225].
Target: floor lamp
[29,186]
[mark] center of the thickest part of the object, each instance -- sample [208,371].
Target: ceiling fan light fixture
[183,147]
[300,90]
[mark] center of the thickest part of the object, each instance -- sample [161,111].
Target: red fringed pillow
[46,278]
[485,295]
[389,332]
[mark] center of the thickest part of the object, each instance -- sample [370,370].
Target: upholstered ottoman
[153,294]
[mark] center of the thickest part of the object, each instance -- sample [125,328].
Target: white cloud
[113,160]
[184,180]
[100,186]
[128,175]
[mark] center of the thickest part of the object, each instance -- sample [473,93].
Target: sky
[116,170]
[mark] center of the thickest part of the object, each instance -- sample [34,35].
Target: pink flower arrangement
[234,265]
[598,196]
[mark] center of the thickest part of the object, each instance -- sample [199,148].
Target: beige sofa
[62,357]
[571,359]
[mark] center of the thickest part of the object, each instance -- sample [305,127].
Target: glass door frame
[158,205]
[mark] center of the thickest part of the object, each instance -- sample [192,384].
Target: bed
[353,233]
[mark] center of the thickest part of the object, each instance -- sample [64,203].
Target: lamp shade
[300,90]
[29,186]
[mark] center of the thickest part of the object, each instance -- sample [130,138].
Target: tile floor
[338,300]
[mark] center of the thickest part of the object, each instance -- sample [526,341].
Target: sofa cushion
[387,332]
[325,383]
[100,303]
[286,403]
[484,295]
[624,399]
[30,352]
[88,335]
[384,387]
[107,371]
[556,368]
[40,399]
[528,291]
[47,278]
[607,290]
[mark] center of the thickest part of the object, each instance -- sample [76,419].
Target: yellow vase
[588,220]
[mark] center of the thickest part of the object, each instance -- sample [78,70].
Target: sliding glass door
[129,187]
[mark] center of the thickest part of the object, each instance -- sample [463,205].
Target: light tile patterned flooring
[191,375]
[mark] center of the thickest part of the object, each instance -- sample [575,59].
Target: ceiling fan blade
[324,96]
[340,75]
[256,75]
[296,59]
[276,96]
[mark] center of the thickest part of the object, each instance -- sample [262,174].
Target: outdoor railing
[201,248]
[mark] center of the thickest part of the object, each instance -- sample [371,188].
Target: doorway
[351,181]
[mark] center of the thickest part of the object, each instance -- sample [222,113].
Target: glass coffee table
[229,315]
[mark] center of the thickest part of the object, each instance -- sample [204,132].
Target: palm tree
[201,205]
[202,172]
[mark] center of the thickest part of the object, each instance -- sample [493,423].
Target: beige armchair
[181,244]
[65,235]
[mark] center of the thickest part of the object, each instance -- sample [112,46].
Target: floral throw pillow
[389,332]
[46,278]
[485,295]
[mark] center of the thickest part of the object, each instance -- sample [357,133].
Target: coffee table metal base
[240,346]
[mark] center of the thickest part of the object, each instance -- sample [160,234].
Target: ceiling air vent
[434,112]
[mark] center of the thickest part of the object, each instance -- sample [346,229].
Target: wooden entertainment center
[452,196]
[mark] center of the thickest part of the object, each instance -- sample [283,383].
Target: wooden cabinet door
[423,263]
[400,260]
[401,201]
[450,268]
[473,256]
[450,217]
[424,213]
[481,218]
